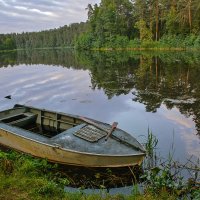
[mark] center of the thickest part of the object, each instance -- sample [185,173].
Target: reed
[166,174]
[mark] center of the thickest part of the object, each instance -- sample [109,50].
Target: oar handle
[114,126]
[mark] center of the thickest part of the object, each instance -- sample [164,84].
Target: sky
[36,15]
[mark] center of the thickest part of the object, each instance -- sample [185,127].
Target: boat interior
[42,122]
[67,130]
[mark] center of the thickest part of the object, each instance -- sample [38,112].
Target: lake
[159,91]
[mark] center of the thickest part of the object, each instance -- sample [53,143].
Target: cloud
[34,10]
[187,130]
[36,15]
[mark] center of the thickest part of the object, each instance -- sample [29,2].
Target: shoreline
[186,49]
[24,176]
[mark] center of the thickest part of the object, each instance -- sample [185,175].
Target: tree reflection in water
[153,78]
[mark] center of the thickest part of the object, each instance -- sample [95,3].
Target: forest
[121,24]
[60,37]
[142,23]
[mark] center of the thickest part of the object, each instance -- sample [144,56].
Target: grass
[18,186]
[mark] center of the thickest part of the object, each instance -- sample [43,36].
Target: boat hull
[60,155]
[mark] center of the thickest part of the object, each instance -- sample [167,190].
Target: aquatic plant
[151,143]
[165,175]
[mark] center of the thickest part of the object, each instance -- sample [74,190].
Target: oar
[114,126]
[109,133]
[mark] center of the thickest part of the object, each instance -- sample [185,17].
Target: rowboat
[68,139]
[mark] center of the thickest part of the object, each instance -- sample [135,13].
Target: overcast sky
[36,15]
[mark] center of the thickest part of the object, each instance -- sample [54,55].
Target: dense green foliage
[60,37]
[7,42]
[142,23]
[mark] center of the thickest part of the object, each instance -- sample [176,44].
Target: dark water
[138,89]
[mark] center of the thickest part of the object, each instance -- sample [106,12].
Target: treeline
[61,37]
[142,23]
[122,24]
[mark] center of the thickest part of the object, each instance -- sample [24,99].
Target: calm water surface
[139,90]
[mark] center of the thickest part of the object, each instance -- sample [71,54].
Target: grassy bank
[24,177]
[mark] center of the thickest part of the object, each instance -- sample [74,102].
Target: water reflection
[140,90]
